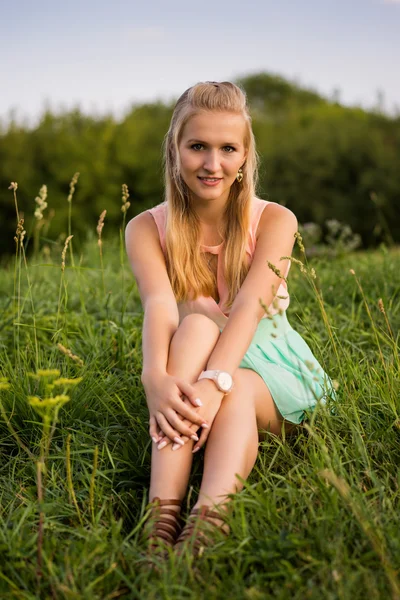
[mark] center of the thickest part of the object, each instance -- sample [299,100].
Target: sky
[106,56]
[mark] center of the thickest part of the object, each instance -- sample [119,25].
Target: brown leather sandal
[201,531]
[161,531]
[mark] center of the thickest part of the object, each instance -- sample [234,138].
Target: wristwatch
[222,379]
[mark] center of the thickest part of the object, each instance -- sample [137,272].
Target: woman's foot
[204,527]
[163,526]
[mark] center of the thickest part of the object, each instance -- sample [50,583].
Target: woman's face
[211,152]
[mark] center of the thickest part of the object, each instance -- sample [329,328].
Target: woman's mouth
[210,181]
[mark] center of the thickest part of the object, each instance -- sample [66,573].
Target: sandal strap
[167,526]
[165,511]
[206,512]
[201,537]
[161,526]
[160,502]
[161,533]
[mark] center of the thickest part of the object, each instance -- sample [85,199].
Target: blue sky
[103,56]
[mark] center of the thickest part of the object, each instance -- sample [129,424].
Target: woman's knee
[242,397]
[199,325]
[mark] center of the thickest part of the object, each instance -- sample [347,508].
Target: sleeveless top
[206,305]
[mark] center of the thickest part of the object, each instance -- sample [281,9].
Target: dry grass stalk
[41,202]
[64,252]
[68,353]
[125,196]
[72,185]
[20,233]
[100,226]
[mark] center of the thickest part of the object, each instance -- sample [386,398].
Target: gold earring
[239,176]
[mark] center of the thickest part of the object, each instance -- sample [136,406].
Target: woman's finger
[184,438]
[190,392]
[203,438]
[180,425]
[169,431]
[188,413]
[153,429]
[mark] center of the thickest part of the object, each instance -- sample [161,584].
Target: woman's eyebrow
[205,143]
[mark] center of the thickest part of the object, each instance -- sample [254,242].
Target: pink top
[206,305]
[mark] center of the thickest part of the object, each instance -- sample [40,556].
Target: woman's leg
[232,444]
[189,351]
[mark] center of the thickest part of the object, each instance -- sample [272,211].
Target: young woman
[220,359]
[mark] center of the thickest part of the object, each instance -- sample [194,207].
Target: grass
[319,515]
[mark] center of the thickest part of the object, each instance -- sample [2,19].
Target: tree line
[321,159]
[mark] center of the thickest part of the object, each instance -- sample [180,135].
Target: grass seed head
[100,226]
[64,252]
[13,186]
[275,270]
[299,241]
[41,202]
[68,353]
[381,306]
[125,196]
[72,185]
[20,233]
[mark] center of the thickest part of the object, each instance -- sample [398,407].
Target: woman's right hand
[165,396]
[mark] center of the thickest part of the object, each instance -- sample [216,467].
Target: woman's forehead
[215,127]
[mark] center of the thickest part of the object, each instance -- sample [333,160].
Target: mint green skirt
[291,372]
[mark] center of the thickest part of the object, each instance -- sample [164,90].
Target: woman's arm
[161,319]
[275,239]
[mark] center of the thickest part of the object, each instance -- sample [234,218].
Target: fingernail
[179,441]
[195,450]
[162,445]
[194,437]
[176,446]
[155,440]
[198,402]
[205,426]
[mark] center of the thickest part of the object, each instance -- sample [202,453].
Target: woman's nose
[211,161]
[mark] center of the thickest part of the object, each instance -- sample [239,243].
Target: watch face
[224,381]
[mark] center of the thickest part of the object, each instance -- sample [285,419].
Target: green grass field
[319,516]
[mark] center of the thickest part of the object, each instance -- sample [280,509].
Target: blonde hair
[186,264]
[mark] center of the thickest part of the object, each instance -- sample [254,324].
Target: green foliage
[322,160]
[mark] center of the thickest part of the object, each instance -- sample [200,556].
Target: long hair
[186,264]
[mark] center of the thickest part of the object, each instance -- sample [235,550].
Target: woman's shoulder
[276,210]
[158,209]
[261,218]
[151,219]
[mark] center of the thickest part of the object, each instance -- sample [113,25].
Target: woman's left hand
[211,398]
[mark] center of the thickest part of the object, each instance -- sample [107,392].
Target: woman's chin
[209,194]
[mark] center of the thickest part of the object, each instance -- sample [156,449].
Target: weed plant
[317,518]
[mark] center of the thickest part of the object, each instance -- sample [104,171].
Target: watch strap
[213,374]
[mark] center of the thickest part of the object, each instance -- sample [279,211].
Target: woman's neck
[210,212]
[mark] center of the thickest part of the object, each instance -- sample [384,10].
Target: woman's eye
[229,149]
[196,146]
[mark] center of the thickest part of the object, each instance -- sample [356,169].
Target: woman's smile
[210,181]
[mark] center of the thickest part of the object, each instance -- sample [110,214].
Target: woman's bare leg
[189,351]
[232,444]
